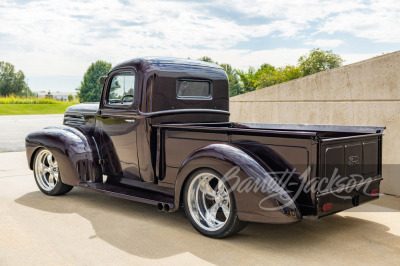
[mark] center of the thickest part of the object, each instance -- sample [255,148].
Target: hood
[83,108]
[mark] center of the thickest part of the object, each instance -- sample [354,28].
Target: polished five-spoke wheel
[209,201]
[210,205]
[46,170]
[47,174]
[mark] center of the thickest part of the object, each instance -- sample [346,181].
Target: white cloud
[294,15]
[379,22]
[354,58]
[324,43]
[64,37]
[51,34]
[243,59]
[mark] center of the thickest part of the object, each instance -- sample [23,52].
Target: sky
[54,42]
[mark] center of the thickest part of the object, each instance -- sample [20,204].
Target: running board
[134,194]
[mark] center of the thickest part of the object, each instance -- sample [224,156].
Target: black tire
[231,225]
[42,177]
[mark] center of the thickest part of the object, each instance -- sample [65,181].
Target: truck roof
[164,61]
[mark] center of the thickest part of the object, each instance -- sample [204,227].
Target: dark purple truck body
[148,148]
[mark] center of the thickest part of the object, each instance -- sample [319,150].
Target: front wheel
[210,205]
[47,174]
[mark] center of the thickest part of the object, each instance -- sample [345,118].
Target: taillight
[374,192]
[326,207]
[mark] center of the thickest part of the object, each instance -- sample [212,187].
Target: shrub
[30,100]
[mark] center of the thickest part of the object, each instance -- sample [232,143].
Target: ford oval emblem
[353,160]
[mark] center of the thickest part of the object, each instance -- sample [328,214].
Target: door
[117,125]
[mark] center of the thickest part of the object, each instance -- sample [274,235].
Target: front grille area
[74,120]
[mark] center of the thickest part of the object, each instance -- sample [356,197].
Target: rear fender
[259,197]
[294,181]
[75,151]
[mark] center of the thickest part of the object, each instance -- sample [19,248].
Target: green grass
[34,109]
[30,100]
[14,105]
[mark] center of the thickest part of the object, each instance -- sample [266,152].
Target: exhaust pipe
[166,207]
[163,207]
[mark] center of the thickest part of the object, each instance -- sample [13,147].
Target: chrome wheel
[209,201]
[46,170]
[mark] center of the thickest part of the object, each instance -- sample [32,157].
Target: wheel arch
[224,157]
[73,149]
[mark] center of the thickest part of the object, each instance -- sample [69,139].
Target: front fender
[259,197]
[74,150]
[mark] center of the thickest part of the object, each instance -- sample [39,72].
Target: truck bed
[322,153]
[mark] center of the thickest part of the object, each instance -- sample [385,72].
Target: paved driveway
[14,128]
[86,228]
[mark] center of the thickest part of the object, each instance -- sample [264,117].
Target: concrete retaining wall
[364,93]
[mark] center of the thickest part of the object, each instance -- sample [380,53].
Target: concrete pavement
[14,128]
[85,228]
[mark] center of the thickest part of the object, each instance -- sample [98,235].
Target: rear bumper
[347,197]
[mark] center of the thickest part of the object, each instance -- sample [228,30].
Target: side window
[193,89]
[121,90]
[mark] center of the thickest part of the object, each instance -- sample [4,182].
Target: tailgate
[349,159]
[349,169]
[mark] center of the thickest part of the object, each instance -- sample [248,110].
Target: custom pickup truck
[161,135]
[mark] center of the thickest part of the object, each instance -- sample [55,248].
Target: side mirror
[102,80]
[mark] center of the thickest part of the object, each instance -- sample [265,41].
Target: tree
[250,79]
[206,59]
[70,98]
[318,60]
[291,72]
[247,79]
[11,82]
[277,75]
[90,90]
[235,87]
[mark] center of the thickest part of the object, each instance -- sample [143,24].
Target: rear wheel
[47,174]
[210,205]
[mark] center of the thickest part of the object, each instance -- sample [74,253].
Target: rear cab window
[193,89]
